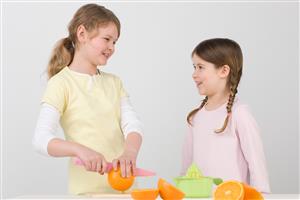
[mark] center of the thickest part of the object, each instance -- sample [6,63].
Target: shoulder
[59,77]
[241,109]
[110,77]
[58,80]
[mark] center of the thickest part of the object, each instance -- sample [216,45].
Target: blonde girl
[92,106]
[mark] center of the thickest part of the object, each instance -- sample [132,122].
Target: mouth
[198,84]
[106,55]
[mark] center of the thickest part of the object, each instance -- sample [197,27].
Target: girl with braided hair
[223,138]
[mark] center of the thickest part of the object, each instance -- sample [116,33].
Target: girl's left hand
[127,163]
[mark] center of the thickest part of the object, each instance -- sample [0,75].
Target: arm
[252,147]
[132,129]
[45,141]
[187,151]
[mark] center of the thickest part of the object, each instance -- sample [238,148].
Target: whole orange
[117,182]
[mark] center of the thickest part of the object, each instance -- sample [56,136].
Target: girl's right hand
[92,160]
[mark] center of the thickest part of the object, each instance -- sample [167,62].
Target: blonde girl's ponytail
[62,56]
[91,16]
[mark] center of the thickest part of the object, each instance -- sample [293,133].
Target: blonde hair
[91,16]
[220,52]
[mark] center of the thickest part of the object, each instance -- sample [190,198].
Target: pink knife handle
[79,162]
[138,171]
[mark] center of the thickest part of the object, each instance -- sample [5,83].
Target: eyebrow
[111,37]
[199,64]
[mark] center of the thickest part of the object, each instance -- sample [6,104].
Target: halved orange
[144,194]
[168,191]
[117,182]
[229,190]
[250,193]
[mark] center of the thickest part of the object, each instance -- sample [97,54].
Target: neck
[216,100]
[79,64]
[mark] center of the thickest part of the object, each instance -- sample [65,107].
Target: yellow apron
[90,116]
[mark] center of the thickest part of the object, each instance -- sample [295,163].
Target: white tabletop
[127,197]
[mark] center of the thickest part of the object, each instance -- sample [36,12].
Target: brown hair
[91,16]
[220,52]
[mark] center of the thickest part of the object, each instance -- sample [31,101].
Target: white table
[127,197]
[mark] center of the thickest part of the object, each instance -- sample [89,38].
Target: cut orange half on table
[144,194]
[168,191]
[229,190]
[250,193]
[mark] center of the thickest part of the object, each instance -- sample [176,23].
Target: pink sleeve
[187,151]
[252,148]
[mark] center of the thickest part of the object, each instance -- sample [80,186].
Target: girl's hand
[92,160]
[127,162]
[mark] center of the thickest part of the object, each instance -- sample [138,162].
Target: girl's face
[209,80]
[97,49]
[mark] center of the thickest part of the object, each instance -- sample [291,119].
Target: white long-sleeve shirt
[48,123]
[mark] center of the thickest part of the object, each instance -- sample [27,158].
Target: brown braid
[193,112]
[228,108]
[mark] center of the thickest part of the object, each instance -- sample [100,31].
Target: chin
[101,63]
[201,93]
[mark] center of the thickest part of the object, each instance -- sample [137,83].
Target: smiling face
[209,79]
[97,47]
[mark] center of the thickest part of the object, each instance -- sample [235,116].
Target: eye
[107,39]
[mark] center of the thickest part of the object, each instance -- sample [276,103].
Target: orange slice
[250,193]
[229,190]
[168,191]
[144,194]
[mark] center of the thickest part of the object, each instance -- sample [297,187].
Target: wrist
[76,149]
[131,151]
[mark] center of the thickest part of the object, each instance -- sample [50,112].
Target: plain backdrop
[153,60]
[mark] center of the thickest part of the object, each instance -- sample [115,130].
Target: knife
[138,171]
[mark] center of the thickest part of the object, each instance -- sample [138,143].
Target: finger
[123,167]
[104,166]
[133,166]
[115,164]
[128,168]
[88,165]
[94,166]
[98,166]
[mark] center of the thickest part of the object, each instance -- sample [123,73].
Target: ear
[224,71]
[82,34]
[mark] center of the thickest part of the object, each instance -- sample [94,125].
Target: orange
[168,191]
[229,190]
[117,182]
[144,194]
[251,193]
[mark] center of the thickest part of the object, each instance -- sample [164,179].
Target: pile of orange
[234,190]
[165,190]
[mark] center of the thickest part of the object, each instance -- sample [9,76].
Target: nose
[111,47]
[195,74]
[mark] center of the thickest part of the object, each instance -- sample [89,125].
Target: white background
[153,60]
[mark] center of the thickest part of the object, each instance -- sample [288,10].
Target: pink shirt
[235,154]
